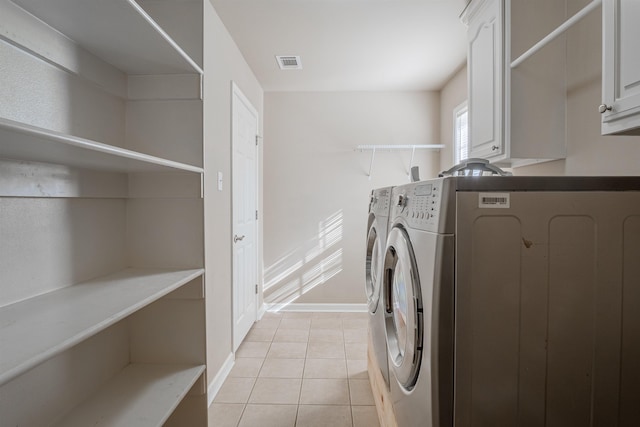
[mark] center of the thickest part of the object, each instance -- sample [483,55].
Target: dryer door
[403,308]
[373,267]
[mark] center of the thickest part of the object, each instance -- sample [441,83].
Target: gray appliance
[377,225]
[514,301]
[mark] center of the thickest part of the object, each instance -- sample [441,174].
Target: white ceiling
[349,45]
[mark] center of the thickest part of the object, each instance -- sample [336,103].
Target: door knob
[237,238]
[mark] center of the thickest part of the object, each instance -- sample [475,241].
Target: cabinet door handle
[237,238]
[494,148]
[603,108]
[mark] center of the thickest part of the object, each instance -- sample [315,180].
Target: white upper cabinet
[621,68]
[516,111]
[486,65]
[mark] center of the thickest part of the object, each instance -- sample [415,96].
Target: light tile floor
[302,370]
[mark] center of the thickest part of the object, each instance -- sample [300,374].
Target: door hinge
[256,288]
[257,137]
[256,214]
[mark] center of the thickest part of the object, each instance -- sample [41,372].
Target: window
[460,133]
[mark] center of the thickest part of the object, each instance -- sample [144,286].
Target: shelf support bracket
[413,153]
[373,156]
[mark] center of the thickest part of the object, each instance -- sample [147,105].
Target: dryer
[377,225]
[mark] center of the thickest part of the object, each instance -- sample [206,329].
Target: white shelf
[139,396]
[19,141]
[395,147]
[37,329]
[118,31]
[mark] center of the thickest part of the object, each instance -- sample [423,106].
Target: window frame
[459,110]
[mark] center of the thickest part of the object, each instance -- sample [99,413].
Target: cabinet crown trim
[472,9]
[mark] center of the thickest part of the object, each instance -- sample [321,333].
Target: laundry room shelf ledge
[39,328]
[120,403]
[21,141]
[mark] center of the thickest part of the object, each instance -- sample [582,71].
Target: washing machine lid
[403,308]
[373,267]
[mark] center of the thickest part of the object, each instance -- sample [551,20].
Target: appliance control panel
[380,201]
[419,204]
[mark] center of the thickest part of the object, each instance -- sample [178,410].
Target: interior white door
[244,123]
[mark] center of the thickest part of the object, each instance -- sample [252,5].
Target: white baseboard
[262,310]
[222,375]
[350,308]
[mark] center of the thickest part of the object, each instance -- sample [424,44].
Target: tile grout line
[254,383]
[344,342]
[304,365]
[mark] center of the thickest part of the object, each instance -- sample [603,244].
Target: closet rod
[555,33]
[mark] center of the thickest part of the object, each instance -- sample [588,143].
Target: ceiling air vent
[289,62]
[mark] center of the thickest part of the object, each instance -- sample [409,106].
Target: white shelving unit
[102,296]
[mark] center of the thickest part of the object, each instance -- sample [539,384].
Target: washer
[418,301]
[531,271]
[377,227]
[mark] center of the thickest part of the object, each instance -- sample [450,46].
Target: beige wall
[588,152]
[453,94]
[223,64]
[316,189]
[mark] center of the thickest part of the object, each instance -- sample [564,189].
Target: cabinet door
[485,63]
[621,67]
